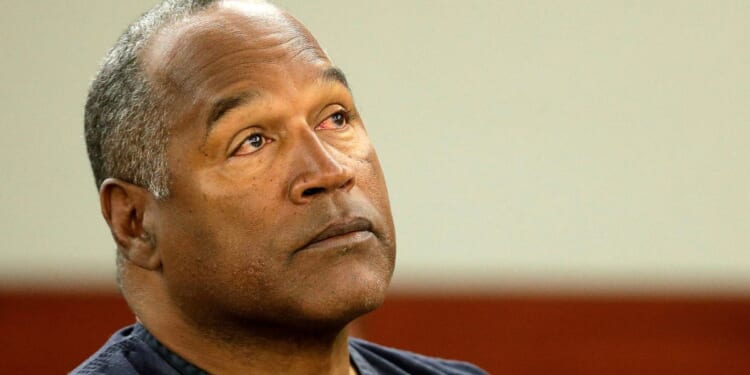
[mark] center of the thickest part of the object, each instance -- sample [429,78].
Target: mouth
[343,233]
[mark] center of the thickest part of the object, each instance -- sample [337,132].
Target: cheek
[213,242]
[215,267]
[373,181]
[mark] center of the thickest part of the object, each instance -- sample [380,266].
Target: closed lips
[342,228]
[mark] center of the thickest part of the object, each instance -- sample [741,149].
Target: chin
[344,303]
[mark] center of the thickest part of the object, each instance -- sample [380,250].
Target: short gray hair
[125,117]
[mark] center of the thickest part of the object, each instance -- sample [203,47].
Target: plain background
[592,146]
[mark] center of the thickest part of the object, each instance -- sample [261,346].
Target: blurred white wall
[589,146]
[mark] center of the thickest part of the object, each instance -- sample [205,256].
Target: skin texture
[266,152]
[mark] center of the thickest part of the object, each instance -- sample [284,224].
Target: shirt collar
[186,368]
[180,364]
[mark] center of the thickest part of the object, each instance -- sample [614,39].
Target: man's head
[235,172]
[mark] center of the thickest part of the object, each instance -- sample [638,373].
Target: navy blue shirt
[133,350]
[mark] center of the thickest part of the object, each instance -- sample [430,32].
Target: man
[248,206]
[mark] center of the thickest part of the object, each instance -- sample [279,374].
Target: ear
[127,209]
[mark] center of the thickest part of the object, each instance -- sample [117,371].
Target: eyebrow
[222,106]
[334,74]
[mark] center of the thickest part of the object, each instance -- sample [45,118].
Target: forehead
[233,43]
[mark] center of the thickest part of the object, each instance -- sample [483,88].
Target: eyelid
[266,141]
[242,136]
[343,113]
[333,109]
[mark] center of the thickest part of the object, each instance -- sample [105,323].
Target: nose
[317,172]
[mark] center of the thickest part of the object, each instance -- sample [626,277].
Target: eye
[336,121]
[252,143]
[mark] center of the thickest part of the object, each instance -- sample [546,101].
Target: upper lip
[342,227]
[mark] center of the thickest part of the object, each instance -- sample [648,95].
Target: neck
[233,346]
[266,350]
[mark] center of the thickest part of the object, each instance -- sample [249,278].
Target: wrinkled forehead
[230,37]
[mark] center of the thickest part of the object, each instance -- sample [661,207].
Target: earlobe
[127,209]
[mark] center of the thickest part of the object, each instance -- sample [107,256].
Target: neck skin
[243,351]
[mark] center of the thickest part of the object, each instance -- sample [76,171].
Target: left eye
[251,144]
[337,121]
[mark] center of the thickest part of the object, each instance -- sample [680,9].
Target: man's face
[278,210]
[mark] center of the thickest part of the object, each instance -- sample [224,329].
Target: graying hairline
[153,121]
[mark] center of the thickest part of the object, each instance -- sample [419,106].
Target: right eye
[252,143]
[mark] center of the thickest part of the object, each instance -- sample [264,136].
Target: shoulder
[123,354]
[372,359]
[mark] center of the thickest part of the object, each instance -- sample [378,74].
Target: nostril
[312,191]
